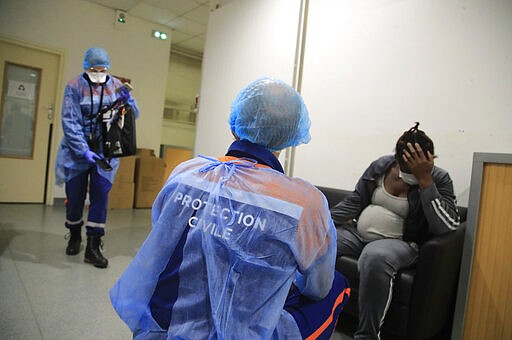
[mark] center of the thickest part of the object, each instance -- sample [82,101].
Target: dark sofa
[424,295]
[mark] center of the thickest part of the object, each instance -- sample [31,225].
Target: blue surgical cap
[270,113]
[96,56]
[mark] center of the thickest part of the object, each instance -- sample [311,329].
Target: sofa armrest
[435,283]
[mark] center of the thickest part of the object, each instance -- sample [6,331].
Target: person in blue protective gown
[80,149]
[238,250]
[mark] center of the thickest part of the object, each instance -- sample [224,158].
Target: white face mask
[408,178]
[97,77]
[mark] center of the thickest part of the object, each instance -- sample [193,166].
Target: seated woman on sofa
[398,203]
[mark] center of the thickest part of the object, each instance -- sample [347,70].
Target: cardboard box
[145,153]
[174,156]
[149,176]
[126,171]
[121,195]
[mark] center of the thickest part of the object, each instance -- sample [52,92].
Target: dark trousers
[317,319]
[378,263]
[76,190]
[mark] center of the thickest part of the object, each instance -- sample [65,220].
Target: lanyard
[92,130]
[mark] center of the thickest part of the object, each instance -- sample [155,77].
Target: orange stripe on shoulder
[231,158]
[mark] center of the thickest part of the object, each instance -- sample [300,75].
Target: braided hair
[413,135]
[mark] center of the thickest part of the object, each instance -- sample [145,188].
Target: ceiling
[187,19]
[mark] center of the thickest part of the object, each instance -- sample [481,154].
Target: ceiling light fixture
[159,35]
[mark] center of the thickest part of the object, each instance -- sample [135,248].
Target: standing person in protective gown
[238,250]
[80,149]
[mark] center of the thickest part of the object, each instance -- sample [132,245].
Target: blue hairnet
[270,113]
[96,56]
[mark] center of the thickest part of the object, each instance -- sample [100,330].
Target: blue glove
[123,94]
[91,156]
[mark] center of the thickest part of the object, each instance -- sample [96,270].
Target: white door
[28,91]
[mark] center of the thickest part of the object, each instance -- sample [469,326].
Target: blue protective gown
[229,238]
[77,126]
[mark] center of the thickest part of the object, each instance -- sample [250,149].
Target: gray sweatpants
[378,263]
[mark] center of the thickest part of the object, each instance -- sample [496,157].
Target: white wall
[183,84]
[72,26]
[246,40]
[178,134]
[183,81]
[373,68]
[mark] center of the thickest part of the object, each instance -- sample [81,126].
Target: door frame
[52,150]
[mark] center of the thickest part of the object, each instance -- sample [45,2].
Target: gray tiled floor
[45,294]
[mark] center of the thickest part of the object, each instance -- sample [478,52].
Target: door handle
[49,110]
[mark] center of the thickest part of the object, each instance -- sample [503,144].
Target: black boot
[75,239]
[92,252]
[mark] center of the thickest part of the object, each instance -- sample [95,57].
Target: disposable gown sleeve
[315,280]
[72,124]
[133,103]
